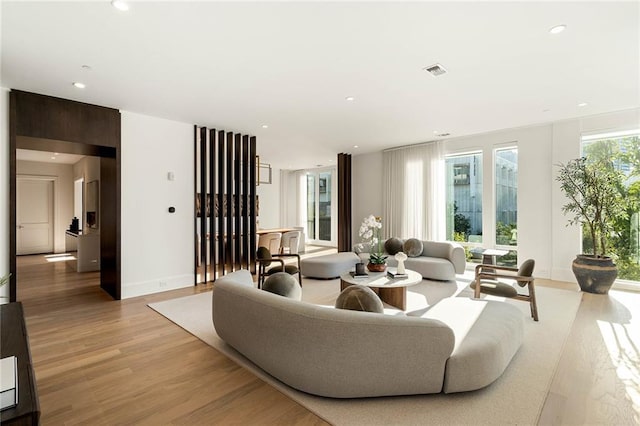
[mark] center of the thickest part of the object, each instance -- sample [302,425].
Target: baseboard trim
[563,274]
[157,285]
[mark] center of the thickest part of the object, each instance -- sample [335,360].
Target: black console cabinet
[14,341]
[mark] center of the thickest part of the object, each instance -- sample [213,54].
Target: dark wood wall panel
[237,230]
[245,201]
[229,199]
[253,213]
[52,124]
[110,227]
[13,124]
[222,254]
[227,180]
[213,214]
[204,208]
[195,191]
[42,116]
[344,202]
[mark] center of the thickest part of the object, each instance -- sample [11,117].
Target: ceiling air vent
[435,70]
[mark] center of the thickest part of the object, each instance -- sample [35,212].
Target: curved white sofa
[463,345]
[439,260]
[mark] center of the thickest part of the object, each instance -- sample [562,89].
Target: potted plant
[593,190]
[4,280]
[370,234]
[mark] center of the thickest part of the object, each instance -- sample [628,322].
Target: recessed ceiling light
[79,85]
[265,126]
[53,158]
[356,146]
[582,104]
[120,5]
[350,98]
[435,70]
[435,132]
[558,29]
[56,153]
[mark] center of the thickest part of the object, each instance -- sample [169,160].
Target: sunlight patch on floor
[624,354]
[59,257]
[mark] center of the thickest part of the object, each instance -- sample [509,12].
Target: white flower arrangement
[369,230]
[370,234]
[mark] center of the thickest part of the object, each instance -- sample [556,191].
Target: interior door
[34,214]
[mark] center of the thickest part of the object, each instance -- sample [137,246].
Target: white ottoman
[328,266]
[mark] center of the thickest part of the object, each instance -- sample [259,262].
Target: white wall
[366,189]
[157,246]
[269,198]
[4,190]
[534,188]
[62,195]
[542,231]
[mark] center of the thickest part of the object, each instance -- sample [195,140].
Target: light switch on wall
[170,176]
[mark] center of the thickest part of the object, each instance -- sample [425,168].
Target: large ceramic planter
[594,274]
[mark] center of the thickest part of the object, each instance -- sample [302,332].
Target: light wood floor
[99,361]
[103,362]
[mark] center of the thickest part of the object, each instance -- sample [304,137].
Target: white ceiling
[290,65]
[47,157]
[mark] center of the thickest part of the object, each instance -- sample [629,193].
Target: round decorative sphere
[359,298]
[283,284]
[413,247]
[393,245]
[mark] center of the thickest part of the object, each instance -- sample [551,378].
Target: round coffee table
[392,291]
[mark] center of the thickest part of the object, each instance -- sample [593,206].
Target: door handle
[20,226]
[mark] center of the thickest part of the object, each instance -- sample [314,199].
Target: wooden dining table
[279,230]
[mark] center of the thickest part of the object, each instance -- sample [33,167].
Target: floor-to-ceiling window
[320,206]
[311,206]
[623,149]
[466,215]
[506,204]
[464,200]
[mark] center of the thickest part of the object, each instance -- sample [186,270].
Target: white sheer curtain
[414,192]
[293,198]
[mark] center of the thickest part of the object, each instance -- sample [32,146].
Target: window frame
[468,245]
[494,198]
[595,136]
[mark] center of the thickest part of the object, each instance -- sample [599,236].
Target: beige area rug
[515,398]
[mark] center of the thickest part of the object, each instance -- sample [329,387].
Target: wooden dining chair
[290,242]
[265,268]
[271,241]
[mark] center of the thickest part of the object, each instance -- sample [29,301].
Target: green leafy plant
[377,258]
[4,280]
[595,202]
